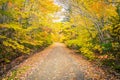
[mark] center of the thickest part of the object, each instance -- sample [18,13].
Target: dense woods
[92,27]
[24,27]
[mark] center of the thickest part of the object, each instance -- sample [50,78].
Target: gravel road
[57,65]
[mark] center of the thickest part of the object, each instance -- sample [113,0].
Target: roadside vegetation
[93,29]
[24,28]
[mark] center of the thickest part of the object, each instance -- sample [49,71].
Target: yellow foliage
[13,44]
[101,9]
[98,47]
[88,53]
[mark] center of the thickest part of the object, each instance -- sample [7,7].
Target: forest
[90,27]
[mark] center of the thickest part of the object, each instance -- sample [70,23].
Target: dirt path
[57,63]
